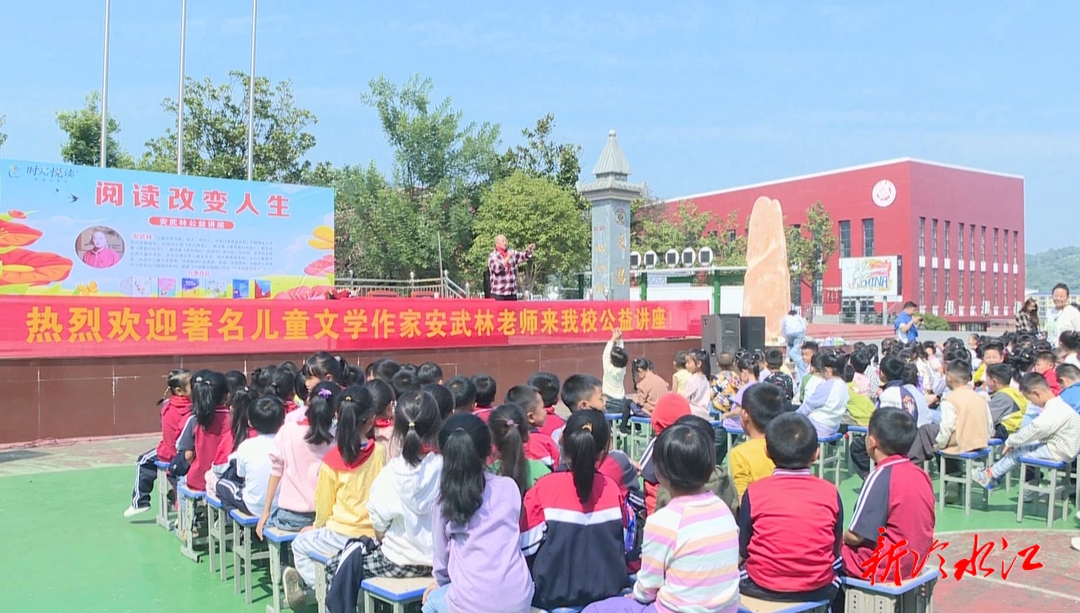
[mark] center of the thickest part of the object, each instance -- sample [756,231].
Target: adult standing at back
[1063,316]
[793,327]
[907,323]
[502,269]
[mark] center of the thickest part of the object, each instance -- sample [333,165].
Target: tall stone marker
[767,289]
[610,194]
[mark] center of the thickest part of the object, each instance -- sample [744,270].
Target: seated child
[404,494]
[828,404]
[583,392]
[648,388]
[1045,362]
[898,497]
[382,401]
[668,410]
[247,494]
[538,446]
[510,434]
[430,373]
[681,376]
[614,363]
[690,557]
[860,363]
[175,409]
[283,386]
[212,424]
[443,398]
[548,385]
[791,524]
[749,461]
[697,389]
[1069,376]
[719,482]
[1007,404]
[575,563]
[1053,435]
[725,385]
[774,361]
[485,395]
[859,407]
[295,462]
[966,424]
[476,529]
[341,494]
[464,394]
[809,377]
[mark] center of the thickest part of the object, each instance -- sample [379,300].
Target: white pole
[105,89]
[251,94]
[180,98]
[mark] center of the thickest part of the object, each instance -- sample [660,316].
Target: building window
[819,289]
[971,254]
[1015,247]
[933,238]
[947,252]
[982,243]
[960,244]
[971,286]
[947,274]
[845,239]
[868,237]
[731,236]
[922,286]
[995,246]
[960,287]
[933,288]
[922,237]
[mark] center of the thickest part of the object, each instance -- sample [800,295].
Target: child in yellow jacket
[341,494]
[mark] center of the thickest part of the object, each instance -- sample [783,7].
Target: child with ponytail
[213,425]
[283,386]
[175,408]
[341,494]
[382,397]
[510,433]
[575,563]
[296,458]
[404,495]
[478,565]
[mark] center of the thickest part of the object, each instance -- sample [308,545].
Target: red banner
[50,327]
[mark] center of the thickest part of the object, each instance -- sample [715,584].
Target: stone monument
[767,289]
[610,194]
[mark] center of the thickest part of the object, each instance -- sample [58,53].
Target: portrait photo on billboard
[99,247]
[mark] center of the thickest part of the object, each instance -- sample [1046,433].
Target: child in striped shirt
[690,555]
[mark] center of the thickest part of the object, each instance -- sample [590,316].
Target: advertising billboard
[88,231]
[869,277]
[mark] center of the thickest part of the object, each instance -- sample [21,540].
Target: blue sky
[705,95]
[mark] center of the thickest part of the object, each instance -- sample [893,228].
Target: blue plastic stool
[276,539]
[245,552]
[826,459]
[321,560]
[186,528]
[640,434]
[734,436]
[395,592]
[217,522]
[971,459]
[1052,489]
[163,485]
[911,595]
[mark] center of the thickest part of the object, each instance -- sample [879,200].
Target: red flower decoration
[321,267]
[16,234]
[305,293]
[25,266]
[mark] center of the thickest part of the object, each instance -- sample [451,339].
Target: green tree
[810,246]
[541,156]
[3,137]
[532,209]
[442,165]
[215,131]
[83,128]
[932,322]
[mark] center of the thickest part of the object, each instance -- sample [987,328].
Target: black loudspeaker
[752,333]
[719,333]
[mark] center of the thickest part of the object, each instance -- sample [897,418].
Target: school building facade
[958,233]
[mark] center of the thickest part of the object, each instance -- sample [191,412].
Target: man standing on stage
[502,269]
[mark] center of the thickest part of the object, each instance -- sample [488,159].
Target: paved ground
[61,508]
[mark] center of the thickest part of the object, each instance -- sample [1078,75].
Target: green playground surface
[67,546]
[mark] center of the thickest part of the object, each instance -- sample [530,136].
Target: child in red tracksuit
[175,409]
[668,410]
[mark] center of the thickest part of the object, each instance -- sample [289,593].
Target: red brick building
[959,232]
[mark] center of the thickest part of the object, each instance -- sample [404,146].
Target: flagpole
[180,98]
[251,94]
[105,89]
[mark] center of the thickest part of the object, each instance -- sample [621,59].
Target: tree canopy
[83,128]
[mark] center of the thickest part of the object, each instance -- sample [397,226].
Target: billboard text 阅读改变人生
[869,277]
[87,231]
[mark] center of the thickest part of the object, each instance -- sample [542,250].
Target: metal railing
[433,287]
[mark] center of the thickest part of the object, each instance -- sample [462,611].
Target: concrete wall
[82,397]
